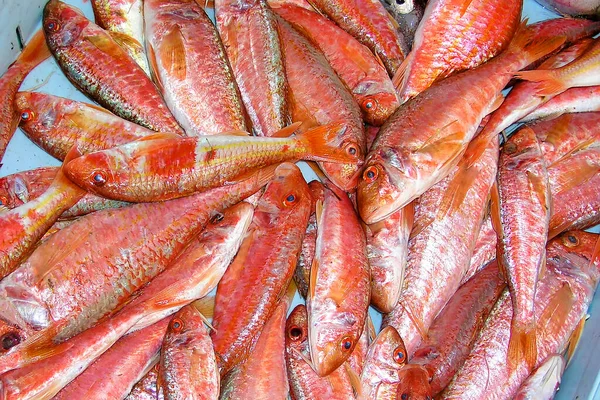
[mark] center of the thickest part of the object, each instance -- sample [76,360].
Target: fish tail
[532,46]
[322,144]
[35,51]
[522,345]
[549,82]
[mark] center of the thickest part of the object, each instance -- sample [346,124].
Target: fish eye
[218,217]
[52,26]
[369,104]
[295,333]
[99,178]
[371,174]
[570,240]
[427,397]
[289,200]
[27,115]
[404,396]
[10,340]
[346,343]
[351,149]
[510,148]
[399,355]
[176,324]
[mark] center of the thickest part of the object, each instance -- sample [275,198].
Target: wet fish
[521,209]
[370,24]
[115,372]
[309,243]
[81,47]
[57,124]
[453,36]
[248,29]
[32,55]
[280,217]
[584,99]
[543,383]
[339,288]
[354,63]
[124,19]
[447,222]
[404,161]
[165,167]
[146,389]
[328,102]
[304,382]
[573,7]
[485,248]
[408,15]
[385,359]
[190,66]
[188,366]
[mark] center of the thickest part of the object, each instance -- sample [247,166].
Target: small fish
[190,66]
[543,383]
[338,295]
[188,366]
[453,36]
[370,24]
[32,55]
[100,68]
[248,30]
[146,388]
[165,167]
[280,217]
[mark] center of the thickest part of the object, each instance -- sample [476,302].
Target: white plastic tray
[581,379]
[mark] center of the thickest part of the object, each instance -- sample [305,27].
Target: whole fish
[574,100]
[114,373]
[339,288]
[387,249]
[188,366]
[385,359]
[543,383]
[190,66]
[447,222]
[305,384]
[370,24]
[23,226]
[453,333]
[280,217]
[101,69]
[248,30]
[354,63]
[165,167]
[423,140]
[584,71]
[146,388]
[57,124]
[562,299]
[521,208]
[112,253]
[32,55]
[453,36]
[124,19]
[263,375]
[326,103]
[408,15]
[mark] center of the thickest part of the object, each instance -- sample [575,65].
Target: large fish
[339,288]
[164,167]
[354,63]
[521,208]
[248,29]
[423,140]
[326,103]
[33,54]
[453,36]
[190,66]
[370,23]
[101,69]
[258,277]
[188,366]
[124,20]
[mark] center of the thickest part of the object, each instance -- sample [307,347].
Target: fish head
[345,175]
[220,225]
[332,338]
[580,248]
[388,353]
[37,113]
[98,172]
[386,184]
[377,107]
[186,324]
[415,383]
[296,329]
[62,24]
[287,192]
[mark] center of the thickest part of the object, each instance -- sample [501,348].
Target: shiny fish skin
[456,35]
[321,104]
[146,389]
[543,383]
[309,243]
[189,63]
[188,367]
[485,249]
[57,124]
[305,384]
[101,69]
[370,23]
[354,63]
[584,99]
[521,210]
[339,289]
[280,217]
[248,30]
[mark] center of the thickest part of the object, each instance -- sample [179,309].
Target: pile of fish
[454,209]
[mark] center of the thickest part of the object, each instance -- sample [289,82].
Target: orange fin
[321,140]
[457,190]
[287,131]
[172,53]
[127,43]
[580,146]
[314,268]
[105,44]
[524,41]
[579,175]
[595,252]
[522,345]
[235,133]
[440,138]
[265,174]
[354,380]
[35,51]
[205,305]
[154,67]
[398,78]
[574,339]
[291,292]
[42,346]
[549,83]
[539,188]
